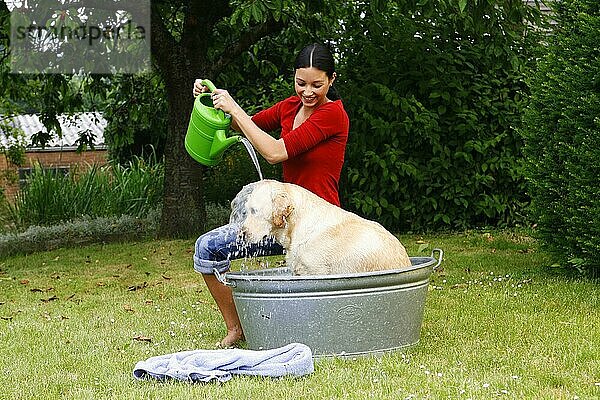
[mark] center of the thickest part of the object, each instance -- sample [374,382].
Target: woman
[314,131]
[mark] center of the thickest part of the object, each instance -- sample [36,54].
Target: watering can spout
[221,143]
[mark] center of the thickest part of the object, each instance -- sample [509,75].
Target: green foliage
[223,181]
[562,131]
[136,111]
[79,232]
[49,198]
[12,146]
[434,95]
[86,230]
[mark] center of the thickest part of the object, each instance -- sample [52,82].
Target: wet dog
[319,238]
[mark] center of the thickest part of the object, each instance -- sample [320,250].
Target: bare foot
[234,336]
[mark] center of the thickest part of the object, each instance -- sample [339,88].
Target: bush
[49,198]
[87,230]
[434,98]
[80,232]
[562,131]
[223,181]
[137,124]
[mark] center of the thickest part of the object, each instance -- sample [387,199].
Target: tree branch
[246,40]
[200,20]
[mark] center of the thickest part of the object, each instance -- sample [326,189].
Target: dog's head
[261,209]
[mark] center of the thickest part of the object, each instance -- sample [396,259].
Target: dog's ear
[282,208]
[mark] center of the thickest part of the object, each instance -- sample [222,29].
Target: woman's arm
[273,150]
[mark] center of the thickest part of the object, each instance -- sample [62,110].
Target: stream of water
[252,154]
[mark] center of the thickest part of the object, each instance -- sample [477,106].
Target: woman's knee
[210,245]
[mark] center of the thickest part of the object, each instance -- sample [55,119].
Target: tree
[562,131]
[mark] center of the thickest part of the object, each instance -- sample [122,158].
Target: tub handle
[221,278]
[440,257]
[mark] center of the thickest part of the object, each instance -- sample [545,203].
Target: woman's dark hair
[318,56]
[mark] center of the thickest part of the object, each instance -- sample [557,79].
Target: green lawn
[498,323]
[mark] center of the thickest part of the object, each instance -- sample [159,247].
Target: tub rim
[259,275]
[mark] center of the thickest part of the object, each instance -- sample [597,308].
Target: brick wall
[48,159]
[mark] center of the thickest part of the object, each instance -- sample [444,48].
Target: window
[24,173]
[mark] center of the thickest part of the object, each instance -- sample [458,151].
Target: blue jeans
[216,249]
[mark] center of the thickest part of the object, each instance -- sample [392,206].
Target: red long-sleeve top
[315,149]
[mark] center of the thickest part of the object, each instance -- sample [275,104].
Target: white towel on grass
[295,359]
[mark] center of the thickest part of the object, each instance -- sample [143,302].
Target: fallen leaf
[38,290]
[127,307]
[133,288]
[49,299]
[149,301]
[141,338]
[459,286]
[24,282]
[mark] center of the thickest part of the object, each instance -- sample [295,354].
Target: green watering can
[206,138]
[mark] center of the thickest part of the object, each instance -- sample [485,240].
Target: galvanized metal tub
[343,315]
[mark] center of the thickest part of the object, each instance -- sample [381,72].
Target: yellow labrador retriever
[319,238]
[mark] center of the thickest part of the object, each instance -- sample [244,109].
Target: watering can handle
[440,257]
[211,86]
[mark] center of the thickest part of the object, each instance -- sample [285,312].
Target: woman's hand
[222,100]
[199,88]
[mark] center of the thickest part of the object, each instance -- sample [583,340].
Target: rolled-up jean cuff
[207,266]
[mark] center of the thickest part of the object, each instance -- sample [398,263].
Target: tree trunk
[184,212]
